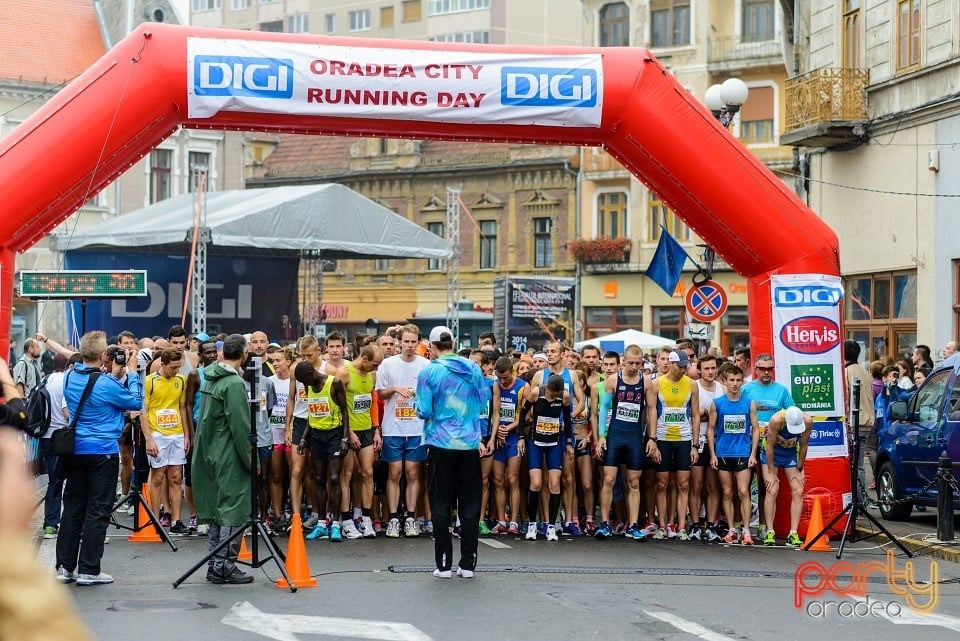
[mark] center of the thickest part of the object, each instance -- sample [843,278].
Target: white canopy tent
[331,221]
[619,341]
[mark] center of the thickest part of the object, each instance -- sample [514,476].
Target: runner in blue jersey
[622,441]
[770,397]
[508,393]
[733,435]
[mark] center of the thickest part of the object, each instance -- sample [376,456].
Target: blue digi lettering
[548,87]
[243,76]
[807,296]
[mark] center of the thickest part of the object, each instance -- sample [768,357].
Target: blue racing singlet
[732,432]
[628,406]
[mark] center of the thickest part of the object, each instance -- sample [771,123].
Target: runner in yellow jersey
[328,418]
[167,432]
[358,377]
[671,402]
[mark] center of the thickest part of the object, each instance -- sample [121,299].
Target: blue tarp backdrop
[243,293]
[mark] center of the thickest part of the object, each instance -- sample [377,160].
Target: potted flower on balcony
[601,250]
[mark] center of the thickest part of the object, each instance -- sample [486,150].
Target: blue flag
[667,263]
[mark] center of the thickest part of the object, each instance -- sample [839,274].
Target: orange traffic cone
[814,527]
[245,555]
[297,566]
[148,534]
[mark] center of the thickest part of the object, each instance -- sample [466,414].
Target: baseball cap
[679,357]
[794,419]
[202,337]
[436,334]
[539,355]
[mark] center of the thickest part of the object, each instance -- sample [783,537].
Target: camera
[117,355]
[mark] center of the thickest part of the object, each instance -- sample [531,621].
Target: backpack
[38,409]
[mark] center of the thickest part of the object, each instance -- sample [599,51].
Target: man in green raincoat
[221,459]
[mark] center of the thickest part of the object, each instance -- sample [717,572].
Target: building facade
[33,70]
[701,43]
[875,119]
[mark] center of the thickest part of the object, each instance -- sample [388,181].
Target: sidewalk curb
[938,550]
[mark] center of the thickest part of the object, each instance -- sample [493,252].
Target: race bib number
[628,412]
[789,444]
[302,393]
[763,430]
[167,419]
[674,415]
[362,403]
[508,412]
[278,421]
[405,412]
[735,424]
[319,408]
[548,426]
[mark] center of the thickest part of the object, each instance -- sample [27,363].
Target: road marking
[689,627]
[284,627]
[499,545]
[909,617]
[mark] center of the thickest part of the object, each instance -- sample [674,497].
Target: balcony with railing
[827,108]
[726,53]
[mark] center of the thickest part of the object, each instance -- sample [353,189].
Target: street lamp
[725,100]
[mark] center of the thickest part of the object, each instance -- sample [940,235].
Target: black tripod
[257,529]
[134,498]
[855,509]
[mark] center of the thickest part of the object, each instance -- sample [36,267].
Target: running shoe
[731,536]
[573,530]
[192,523]
[531,531]
[50,532]
[311,522]
[552,533]
[603,531]
[683,535]
[319,532]
[410,528]
[457,531]
[94,579]
[660,534]
[711,534]
[179,529]
[793,540]
[442,574]
[620,528]
[464,574]
[203,529]
[639,534]
[590,528]
[499,528]
[366,528]
[650,529]
[631,530]
[770,538]
[671,531]
[427,526]
[66,576]
[393,528]
[696,533]
[762,532]
[165,520]
[513,528]
[747,539]
[378,527]
[349,529]
[483,529]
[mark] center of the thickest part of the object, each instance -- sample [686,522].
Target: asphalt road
[572,589]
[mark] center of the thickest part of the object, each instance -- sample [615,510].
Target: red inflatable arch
[161,77]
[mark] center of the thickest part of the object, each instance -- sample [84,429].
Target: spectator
[91,471]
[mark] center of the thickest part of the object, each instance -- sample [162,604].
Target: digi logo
[548,87]
[243,76]
[807,296]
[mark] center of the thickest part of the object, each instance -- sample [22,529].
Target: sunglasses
[765,369]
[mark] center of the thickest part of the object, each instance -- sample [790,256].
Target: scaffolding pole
[453,265]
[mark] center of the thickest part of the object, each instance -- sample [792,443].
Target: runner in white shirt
[702,473]
[402,430]
[281,360]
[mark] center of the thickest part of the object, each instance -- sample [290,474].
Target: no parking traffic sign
[706,302]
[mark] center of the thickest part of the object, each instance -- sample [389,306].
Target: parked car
[919,429]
